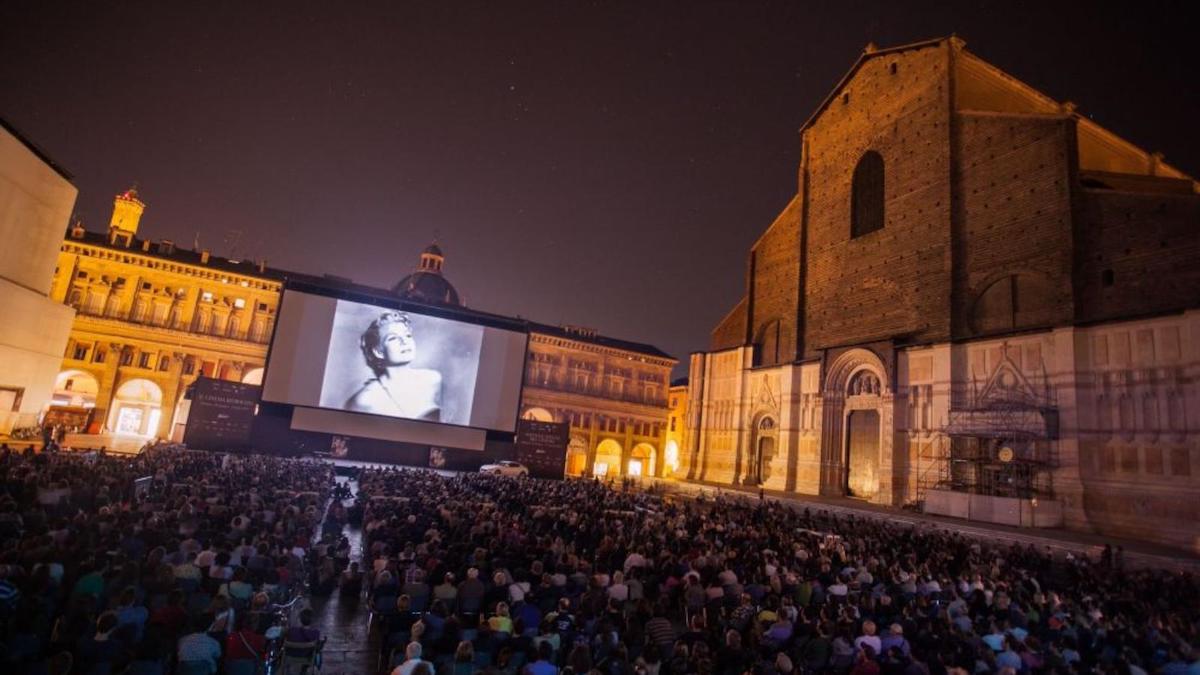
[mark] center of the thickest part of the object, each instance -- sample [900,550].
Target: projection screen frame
[482,319]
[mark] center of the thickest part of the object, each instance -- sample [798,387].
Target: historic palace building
[153,317]
[978,301]
[150,319]
[613,393]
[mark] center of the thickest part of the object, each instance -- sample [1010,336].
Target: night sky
[602,164]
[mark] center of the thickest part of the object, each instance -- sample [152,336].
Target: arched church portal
[855,450]
[765,434]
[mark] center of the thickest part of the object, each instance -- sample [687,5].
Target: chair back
[299,650]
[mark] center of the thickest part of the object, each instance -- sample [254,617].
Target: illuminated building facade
[613,393]
[150,319]
[978,301]
[677,407]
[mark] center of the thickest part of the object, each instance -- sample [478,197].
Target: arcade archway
[136,408]
[608,458]
[577,455]
[642,460]
[76,389]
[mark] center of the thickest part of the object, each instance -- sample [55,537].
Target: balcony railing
[179,327]
[597,391]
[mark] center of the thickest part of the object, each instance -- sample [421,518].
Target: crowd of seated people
[170,561]
[479,573]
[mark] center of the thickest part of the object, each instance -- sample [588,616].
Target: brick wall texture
[988,227]
[1150,243]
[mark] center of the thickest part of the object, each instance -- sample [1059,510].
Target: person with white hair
[412,659]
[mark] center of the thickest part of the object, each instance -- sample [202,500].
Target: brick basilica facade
[978,302]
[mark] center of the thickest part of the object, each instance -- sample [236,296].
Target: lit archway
[76,389]
[136,408]
[253,376]
[641,460]
[671,458]
[577,455]
[608,458]
[537,415]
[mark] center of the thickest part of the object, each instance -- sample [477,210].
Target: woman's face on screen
[398,347]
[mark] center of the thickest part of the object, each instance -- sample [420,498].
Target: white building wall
[35,204]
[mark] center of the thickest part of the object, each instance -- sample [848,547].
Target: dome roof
[427,287]
[433,249]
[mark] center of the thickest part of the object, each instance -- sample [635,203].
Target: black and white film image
[399,364]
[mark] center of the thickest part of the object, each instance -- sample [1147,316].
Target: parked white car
[505,468]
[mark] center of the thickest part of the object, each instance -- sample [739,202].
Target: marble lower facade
[1100,422]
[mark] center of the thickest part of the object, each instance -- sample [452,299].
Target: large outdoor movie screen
[339,354]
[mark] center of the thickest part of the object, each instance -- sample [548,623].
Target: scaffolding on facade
[1006,449]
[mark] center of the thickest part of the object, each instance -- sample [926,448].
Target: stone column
[627,446]
[107,386]
[589,467]
[172,391]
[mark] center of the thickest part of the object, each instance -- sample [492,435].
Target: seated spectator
[351,582]
[501,622]
[305,631]
[869,638]
[131,613]
[464,659]
[101,650]
[200,649]
[412,660]
[245,644]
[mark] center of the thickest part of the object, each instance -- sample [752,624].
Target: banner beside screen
[221,416]
[542,446]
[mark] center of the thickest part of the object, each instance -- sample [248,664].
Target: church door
[766,451]
[862,455]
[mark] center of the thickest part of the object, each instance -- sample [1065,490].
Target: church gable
[867,61]
[879,283]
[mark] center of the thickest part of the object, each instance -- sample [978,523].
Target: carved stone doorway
[765,433]
[766,452]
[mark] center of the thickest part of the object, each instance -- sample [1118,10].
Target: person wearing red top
[244,644]
[171,616]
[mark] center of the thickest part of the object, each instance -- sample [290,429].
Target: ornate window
[866,199]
